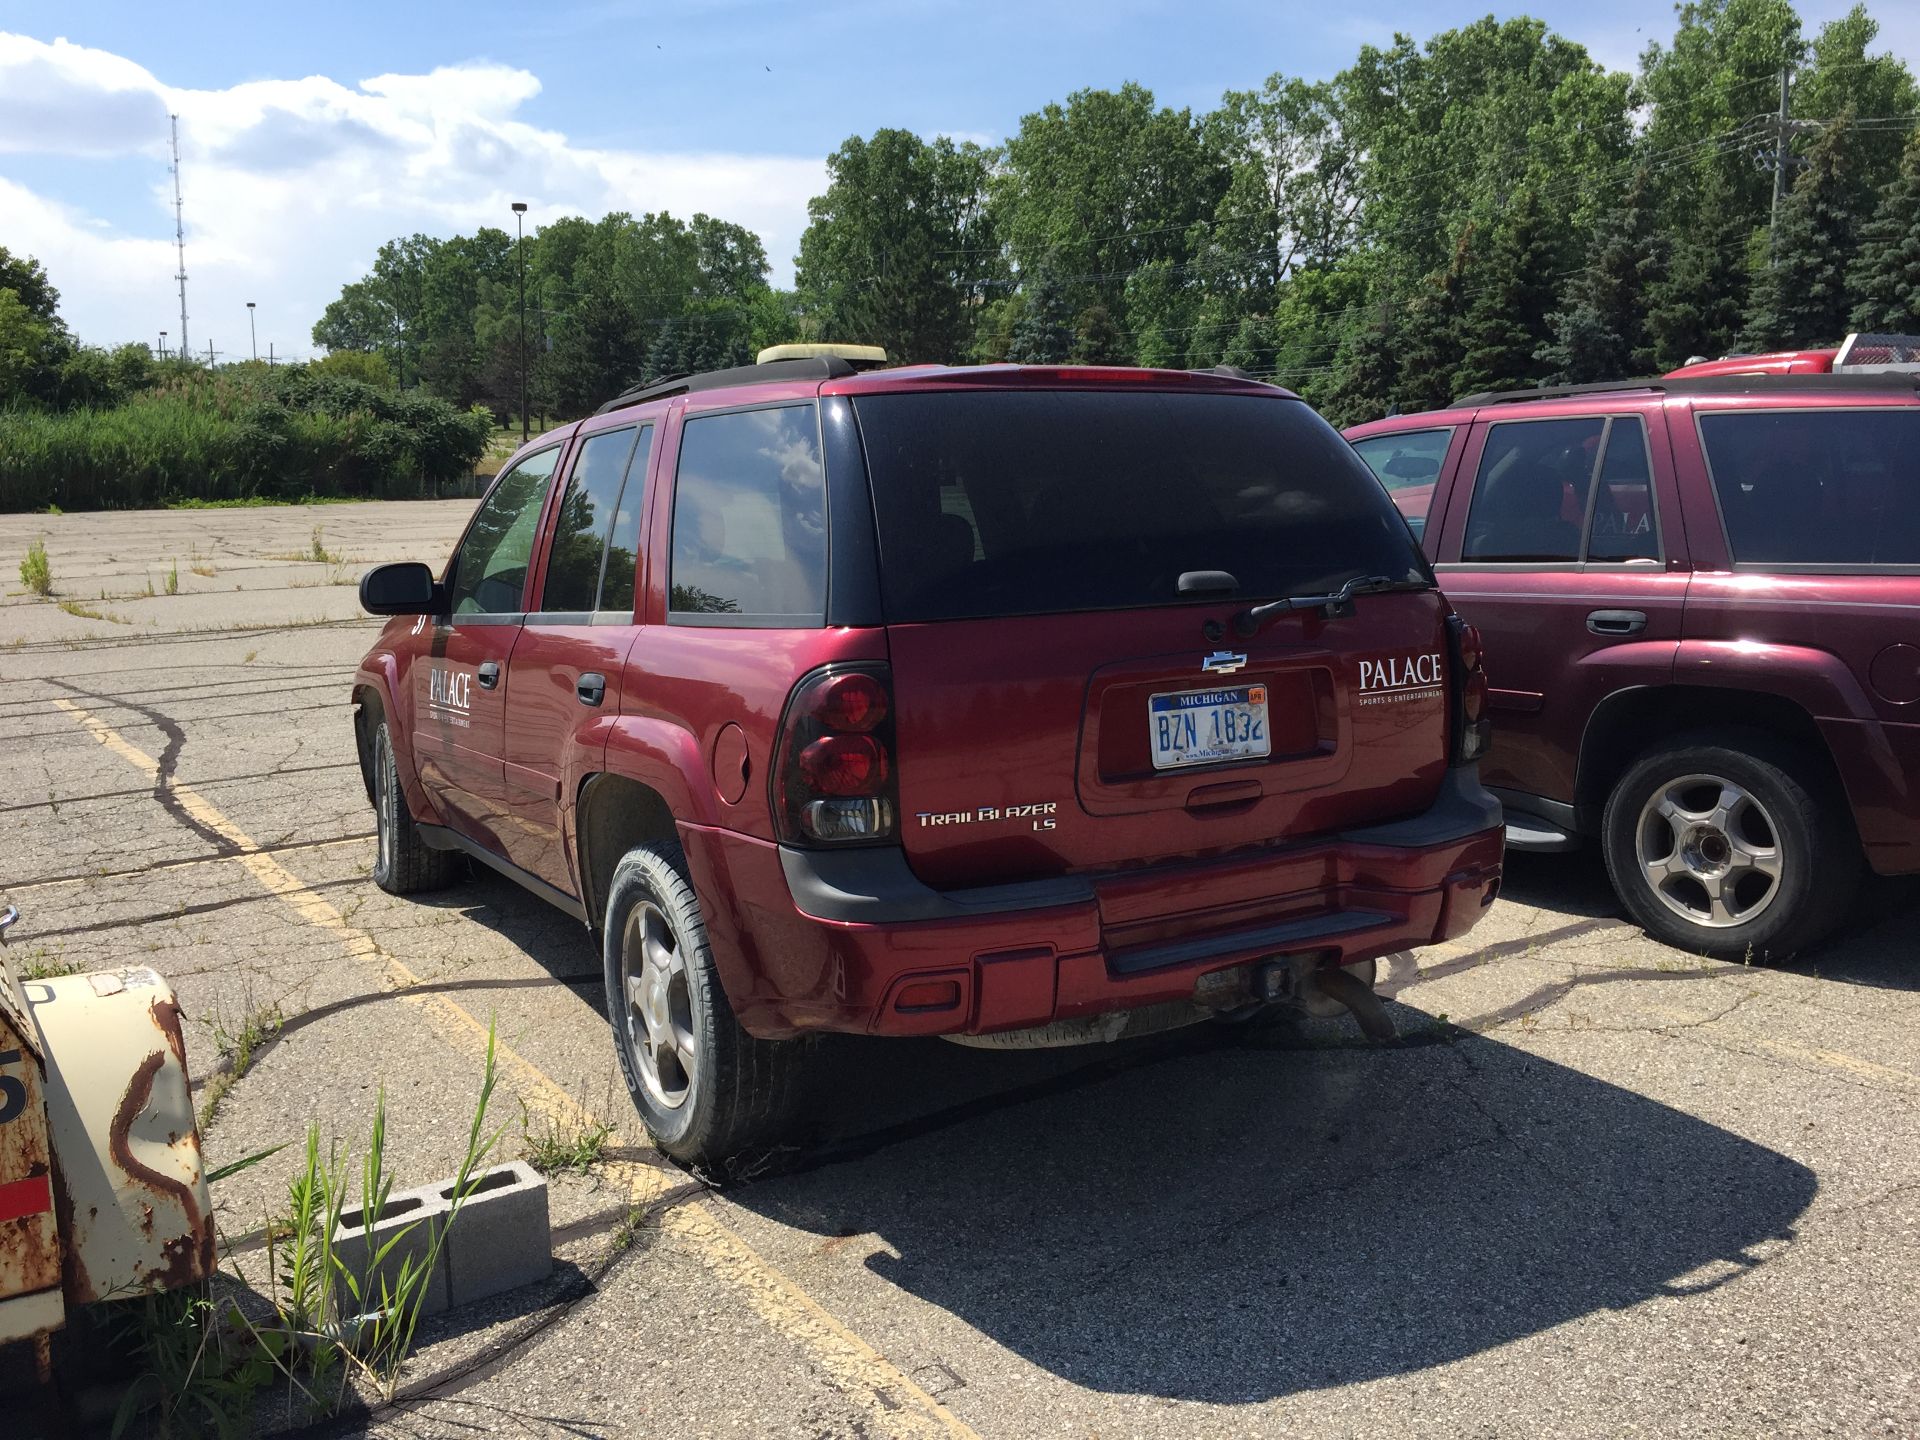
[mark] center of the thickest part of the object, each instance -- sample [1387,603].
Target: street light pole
[163,344]
[520,249]
[252,336]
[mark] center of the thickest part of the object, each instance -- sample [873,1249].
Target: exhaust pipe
[1348,992]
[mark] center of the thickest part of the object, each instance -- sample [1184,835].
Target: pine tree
[1506,316]
[1600,331]
[1802,298]
[1366,372]
[1044,333]
[1695,303]
[1432,339]
[1886,273]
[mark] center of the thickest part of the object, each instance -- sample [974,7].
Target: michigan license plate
[1204,727]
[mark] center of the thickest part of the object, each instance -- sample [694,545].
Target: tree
[1432,343]
[1886,273]
[1505,321]
[1840,77]
[1600,331]
[1044,332]
[892,249]
[1366,371]
[25,339]
[1803,298]
[1101,187]
[356,320]
[27,279]
[1694,306]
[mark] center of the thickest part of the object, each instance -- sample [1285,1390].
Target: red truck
[1701,596]
[1018,704]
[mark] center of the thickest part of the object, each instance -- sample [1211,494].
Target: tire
[1731,844]
[706,1089]
[403,863]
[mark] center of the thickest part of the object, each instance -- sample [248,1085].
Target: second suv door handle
[1617,622]
[591,688]
[489,674]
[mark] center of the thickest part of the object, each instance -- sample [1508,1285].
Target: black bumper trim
[874,885]
[1309,931]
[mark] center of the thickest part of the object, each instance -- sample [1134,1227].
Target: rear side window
[1408,464]
[749,519]
[1621,525]
[585,521]
[1042,501]
[1817,487]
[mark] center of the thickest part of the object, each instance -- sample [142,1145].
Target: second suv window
[595,498]
[749,517]
[1817,487]
[1545,492]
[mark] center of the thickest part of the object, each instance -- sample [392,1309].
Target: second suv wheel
[1732,845]
[706,1089]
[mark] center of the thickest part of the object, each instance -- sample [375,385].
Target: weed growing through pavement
[557,1146]
[173,579]
[35,571]
[317,550]
[203,1363]
[237,1046]
[81,611]
[41,963]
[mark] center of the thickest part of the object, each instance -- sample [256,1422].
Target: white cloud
[291,185]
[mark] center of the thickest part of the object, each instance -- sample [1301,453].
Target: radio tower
[179,234]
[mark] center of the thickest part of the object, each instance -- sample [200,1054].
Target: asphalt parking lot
[1599,1188]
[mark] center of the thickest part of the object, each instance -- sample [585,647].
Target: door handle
[488,674]
[1617,622]
[591,688]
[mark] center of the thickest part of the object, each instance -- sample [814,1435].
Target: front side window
[1817,487]
[749,517]
[1408,464]
[1531,491]
[488,575]
[586,519]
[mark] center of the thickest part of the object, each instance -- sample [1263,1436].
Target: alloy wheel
[657,993]
[1709,851]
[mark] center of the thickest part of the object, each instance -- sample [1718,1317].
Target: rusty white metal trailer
[103,1193]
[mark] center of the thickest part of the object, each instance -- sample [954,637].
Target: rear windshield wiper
[1333,606]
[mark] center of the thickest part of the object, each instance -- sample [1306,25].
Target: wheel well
[1627,724]
[614,815]
[367,711]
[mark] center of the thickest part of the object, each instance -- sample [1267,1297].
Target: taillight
[834,781]
[1472,730]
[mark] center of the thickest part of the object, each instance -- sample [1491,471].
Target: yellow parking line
[893,1403]
[1889,1075]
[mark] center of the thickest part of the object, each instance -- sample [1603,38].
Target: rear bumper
[851,941]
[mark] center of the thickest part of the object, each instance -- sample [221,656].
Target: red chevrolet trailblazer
[1025,705]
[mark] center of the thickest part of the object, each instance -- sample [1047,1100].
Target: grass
[35,573]
[556,1148]
[237,1046]
[260,502]
[80,610]
[42,964]
[202,1364]
[173,579]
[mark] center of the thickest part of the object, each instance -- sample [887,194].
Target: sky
[310,133]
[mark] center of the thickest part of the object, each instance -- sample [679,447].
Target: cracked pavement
[1621,1190]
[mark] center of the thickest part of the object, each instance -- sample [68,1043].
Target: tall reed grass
[213,436]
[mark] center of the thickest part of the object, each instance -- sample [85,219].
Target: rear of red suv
[1013,705]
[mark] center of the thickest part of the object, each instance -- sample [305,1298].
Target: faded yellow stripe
[893,1403]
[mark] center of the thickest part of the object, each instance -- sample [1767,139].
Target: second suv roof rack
[813,367]
[1701,385]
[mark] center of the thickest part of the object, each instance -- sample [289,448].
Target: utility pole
[179,233]
[520,249]
[269,354]
[209,354]
[1779,171]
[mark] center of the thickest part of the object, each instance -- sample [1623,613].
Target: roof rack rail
[1703,385]
[815,367]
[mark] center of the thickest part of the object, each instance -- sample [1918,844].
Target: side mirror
[404,588]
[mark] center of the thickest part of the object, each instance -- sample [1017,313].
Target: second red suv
[1702,599]
[1048,704]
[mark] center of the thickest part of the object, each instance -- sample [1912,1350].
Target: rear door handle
[591,688]
[489,674]
[1617,622]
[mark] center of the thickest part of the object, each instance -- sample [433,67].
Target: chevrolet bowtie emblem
[1223,662]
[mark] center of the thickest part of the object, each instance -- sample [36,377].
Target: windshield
[1041,501]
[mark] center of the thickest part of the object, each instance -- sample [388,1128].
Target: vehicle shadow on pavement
[1234,1225]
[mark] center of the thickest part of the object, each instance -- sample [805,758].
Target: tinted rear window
[1030,502]
[1818,487]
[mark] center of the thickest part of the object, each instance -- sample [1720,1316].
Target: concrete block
[420,1213]
[500,1238]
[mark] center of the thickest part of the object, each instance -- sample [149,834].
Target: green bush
[236,435]
[35,573]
